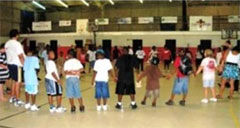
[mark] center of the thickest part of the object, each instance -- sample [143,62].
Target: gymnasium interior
[176,24]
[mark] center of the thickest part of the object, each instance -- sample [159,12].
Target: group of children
[102,67]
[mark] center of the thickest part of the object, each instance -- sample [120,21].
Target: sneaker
[213,99]
[34,108]
[27,106]
[170,102]
[81,108]
[12,100]
[134,106]
[204,101]
[18,103]
[73,109]
[182,102]
[118,106]
[105,107]
[52,109]
[99,108]
[61,109]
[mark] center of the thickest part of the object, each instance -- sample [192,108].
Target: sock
[133,103]
[119,103]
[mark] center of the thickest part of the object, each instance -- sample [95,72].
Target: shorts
[15,72]
[31,89]
[52,88]
[180,86]
[102,90]
[208,83]
[125,88]
[92,64]
[155,93]
[73,88]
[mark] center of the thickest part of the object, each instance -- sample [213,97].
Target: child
[72,69]
[53,84]
[30,66]
[153,74]
[60,63]
[4,73]
[208,66]
[181,81]
[101,69]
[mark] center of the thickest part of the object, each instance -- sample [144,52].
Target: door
[136,45]
[171,45]
[27,17]
[32,45]
[206,44]
[79,43]
[107,46]
[54,47]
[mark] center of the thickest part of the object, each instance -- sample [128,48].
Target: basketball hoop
[229,34]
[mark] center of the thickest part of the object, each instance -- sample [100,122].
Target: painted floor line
[234,116]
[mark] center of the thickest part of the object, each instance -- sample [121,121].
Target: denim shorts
[31,89]
[102,90]
[181,85]
[73,88]
[92,64]
[52,88]
[208,83]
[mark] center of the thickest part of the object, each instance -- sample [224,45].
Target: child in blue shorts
[181,82]
[72,69]
[102,69]
[31,64]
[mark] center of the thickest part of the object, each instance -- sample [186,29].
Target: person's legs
[223,83]
[142,64]
[50,100]
[132,97]
[18,87]
[231,88]
[71,101]
[205,93]
[120,98]
[59,100]
[33,97]
[168,64]
[98,101]
[104,101]
[27,98]
[213,92]
[80,101]
[2,98]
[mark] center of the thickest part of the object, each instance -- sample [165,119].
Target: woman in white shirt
[230,69]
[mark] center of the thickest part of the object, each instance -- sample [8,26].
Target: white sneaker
[52,109]
[27,106]
[61,110]
[99,108]
[204,100]
[105,107]
[18,103]
[213,99]
[12,100]
[34,108]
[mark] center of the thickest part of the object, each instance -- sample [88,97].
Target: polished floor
[223,114]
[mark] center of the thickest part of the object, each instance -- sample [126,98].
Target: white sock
[133,102]
[119,103]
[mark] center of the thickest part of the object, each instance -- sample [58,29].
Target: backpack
[185,65]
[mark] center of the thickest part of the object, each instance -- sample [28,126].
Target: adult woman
[229,66]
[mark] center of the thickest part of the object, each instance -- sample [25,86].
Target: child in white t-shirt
[102,69]
[53,84]
[208,66]
[72,70]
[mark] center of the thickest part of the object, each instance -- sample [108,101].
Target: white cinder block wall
[125,38]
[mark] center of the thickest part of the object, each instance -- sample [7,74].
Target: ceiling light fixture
[111,1]
[62,3]
[85,2]
[38,5]
[141,1]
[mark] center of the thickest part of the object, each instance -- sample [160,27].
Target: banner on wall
[200,23]
[127,20]
[102,21]
[169,19]
[82,26]
[234,19]
[42,26]
[145,20]
[65,23]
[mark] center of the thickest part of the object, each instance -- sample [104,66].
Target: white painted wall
[125,38]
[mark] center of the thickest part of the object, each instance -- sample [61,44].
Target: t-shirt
[140,54]
[125,65]
[30,75]
[130,51]
[50,68]
[177,64]
[209,65]
[72,65]
[45,56]
[13,49]
[166,55]
[101,67]
[115,53]
[4,73]
[91,55]
[153,75]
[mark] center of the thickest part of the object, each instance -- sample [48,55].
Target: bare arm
[199,70]
[21,58]
[93,78]
[56,78]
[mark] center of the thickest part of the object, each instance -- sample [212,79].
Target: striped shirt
[4,73]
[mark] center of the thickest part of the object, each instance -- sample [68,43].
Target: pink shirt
[209,65]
